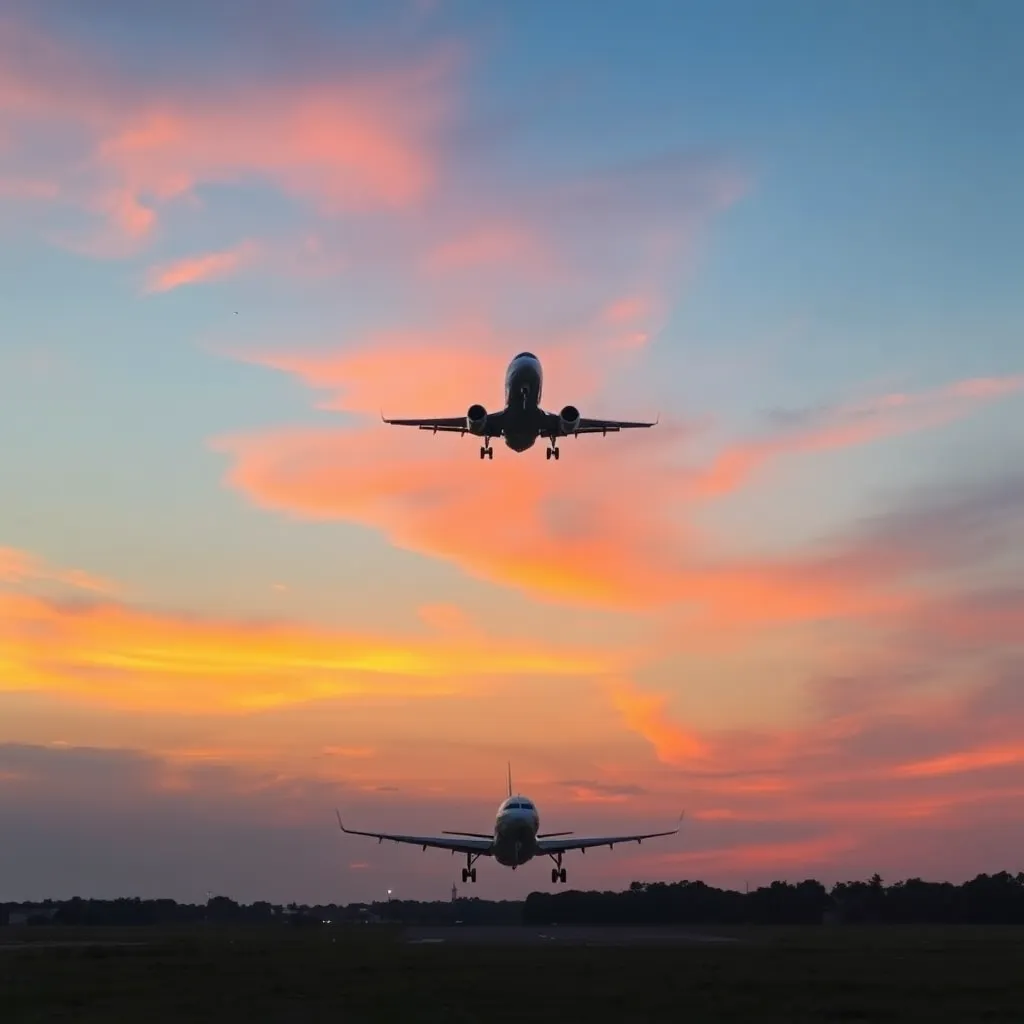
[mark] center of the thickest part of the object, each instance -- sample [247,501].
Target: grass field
[369,974]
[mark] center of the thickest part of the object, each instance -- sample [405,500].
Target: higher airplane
[514,842]
[522,420]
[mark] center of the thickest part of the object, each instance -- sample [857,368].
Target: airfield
[457,973]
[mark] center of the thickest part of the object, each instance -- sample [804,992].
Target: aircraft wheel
[561,875]
[465,876]
[557,453]
[472,875]
[547,454]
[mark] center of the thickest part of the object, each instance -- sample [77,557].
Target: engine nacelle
[476,419]
[569,418]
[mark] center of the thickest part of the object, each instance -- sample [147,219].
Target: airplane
[522,420]
[514,842]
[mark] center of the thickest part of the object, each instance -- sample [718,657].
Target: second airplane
[514,842]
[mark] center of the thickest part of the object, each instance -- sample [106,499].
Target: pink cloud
[347,140]
[200,268]
[494,245]
[854,424]
[17,567]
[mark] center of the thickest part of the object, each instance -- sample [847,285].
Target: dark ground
[373,973]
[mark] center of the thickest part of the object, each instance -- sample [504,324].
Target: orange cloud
[564,536]
[644,713]
[197,269]
[130,658]
[964,761]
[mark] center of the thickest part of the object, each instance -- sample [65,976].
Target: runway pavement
[571,935]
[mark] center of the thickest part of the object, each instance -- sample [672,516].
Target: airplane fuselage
[524,383]
[515,832]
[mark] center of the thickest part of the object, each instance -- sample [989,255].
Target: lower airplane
[522,420]
[514,842]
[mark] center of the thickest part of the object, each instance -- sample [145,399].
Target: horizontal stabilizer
[550,835]
[474,835]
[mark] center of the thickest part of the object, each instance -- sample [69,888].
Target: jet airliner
[522,420]
[515,840]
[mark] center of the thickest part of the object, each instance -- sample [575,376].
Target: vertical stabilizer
[510,778]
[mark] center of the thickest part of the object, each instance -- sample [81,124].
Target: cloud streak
[200,268]
[126,657]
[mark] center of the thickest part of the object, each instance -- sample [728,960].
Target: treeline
[220,910]
[986,899]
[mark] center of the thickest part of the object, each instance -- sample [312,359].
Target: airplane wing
[465,844]
[553,426]
[450,424]
[564,845]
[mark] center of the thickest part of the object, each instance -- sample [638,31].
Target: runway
[572,935]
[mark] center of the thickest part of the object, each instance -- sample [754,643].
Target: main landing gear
[557,872]
[486,452]
[553,452]
[469,872]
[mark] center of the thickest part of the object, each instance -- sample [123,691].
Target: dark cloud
[947,526]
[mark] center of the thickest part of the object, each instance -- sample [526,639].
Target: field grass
[369,974]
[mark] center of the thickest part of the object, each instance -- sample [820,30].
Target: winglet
[338,815]
[657,419]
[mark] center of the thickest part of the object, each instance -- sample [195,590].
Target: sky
[232,600]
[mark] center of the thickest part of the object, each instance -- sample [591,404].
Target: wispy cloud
[199,268]
[18,567]
[853,424]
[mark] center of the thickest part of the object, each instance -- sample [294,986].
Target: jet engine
[476,419]
[569,418]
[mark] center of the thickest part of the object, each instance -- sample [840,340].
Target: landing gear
[487,452]
[557,872]
[469,872]
[553,452]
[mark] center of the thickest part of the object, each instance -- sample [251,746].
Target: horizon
[232,600]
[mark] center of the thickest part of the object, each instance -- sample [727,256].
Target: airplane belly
[515,845]
[521,428]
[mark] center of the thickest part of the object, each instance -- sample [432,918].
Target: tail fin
[510,778]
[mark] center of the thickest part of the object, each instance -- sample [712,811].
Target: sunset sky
[231,599]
